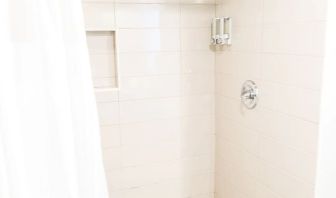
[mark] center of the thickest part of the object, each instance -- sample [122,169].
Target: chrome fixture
[249,94]
[221,31]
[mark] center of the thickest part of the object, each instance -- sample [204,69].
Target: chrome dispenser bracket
[221,31]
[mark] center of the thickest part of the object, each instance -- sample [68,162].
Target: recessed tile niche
[102,50]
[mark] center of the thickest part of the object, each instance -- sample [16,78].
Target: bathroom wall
[158,128]
[326,173]
[269,152]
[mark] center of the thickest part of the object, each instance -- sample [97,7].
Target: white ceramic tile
[101,42]
[284,184]
[300,40]
[150,154]
[149,87]
[301,165]
[108,113]
[112,159]
[264,192]
[243,12]
[246,139]
[246,38]
[198,124]
[205,195]
[198,84]
[108,82]
[148,1]
[103,65]
[114,180]
[197,1]
[297,10]
[196,185]
[147,15]
[226,63]
[198,62]
[151,109]
[228,85]
[148,40]
[96,1]
[304,136]
[143,64]
[226,189]
[138,176]
[232,155]
[292,102]
[106,95]
[115,193]
[240,181]
[151,132]
[162,189]
[111,136]
[289,130]
[285,69]
[99,15]
[195,39]
[197,15]
[244,65]
[193,145]
[197,105]
[194,165]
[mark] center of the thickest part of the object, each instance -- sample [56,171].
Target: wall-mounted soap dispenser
[221,31]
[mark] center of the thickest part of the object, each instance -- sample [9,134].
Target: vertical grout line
[260,62]
[118,71]
[179,4]
[116,45]
[262,25]
[215,112]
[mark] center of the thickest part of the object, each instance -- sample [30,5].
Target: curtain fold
[49,134]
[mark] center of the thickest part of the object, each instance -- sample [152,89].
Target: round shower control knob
[249,94]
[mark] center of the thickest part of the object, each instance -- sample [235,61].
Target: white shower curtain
[49,139]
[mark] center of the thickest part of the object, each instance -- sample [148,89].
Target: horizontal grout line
[150,3]
[165,28]
[181,96]
[178,181]
[269,109]
[282,171]
[175,52]
[272,22]
[220,52]
[212,118]
[261,52]
[260,135]
[181,75]
[167,51]
[263,80]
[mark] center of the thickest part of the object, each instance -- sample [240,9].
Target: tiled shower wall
[158,128]
[269,152]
